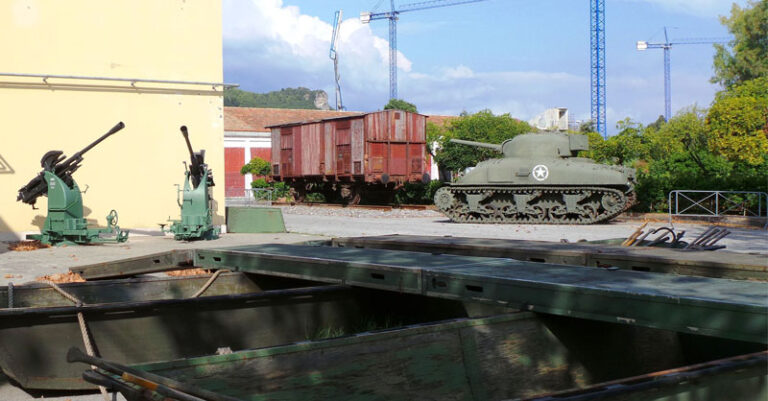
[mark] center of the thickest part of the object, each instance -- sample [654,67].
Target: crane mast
[392,15]
[333,54]
[667,46]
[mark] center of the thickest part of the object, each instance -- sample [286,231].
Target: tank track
[538,205]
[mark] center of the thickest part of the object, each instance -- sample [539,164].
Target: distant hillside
[288,98]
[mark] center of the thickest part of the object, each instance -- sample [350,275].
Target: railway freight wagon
[366,155]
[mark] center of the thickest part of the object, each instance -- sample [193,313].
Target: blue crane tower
[392,16]
[667,46]
[597,63]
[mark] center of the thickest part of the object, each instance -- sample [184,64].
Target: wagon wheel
[299,194]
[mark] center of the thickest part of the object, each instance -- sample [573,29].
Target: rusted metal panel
[389,142]
[276,152]
[376,128]
[329,150]
[399,124]
[310,137]
[417,161]
[357,151]
[398,161]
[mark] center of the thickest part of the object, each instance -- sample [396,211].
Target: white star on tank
[540,172]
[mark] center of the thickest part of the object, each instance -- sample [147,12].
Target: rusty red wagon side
[369,154]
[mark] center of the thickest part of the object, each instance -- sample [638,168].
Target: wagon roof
[351,115]
[255,119]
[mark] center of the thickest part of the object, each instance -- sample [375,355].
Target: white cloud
[268,45]
[699,8]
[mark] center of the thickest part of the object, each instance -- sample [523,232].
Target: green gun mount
[65,223]
[196,204]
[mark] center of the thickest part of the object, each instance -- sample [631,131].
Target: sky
[509,56]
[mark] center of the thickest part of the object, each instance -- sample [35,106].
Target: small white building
[551,120]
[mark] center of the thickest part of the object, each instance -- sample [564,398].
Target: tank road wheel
[537,213]
[444,199]
[610,202]
[589,211]
[558,214]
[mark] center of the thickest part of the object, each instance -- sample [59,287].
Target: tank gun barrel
[63,169]
[478,144]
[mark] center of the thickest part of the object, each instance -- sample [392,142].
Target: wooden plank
[158,262]
[719,264]
[698,305]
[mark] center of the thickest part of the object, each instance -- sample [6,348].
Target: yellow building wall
[133,171]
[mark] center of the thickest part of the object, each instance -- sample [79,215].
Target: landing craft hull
[509,356]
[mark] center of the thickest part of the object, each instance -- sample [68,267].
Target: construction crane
[597,64]
[334,56]
[392,15]
[667,46]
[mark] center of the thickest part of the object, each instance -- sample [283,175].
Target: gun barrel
[77,157]
[111,131]
[478,144]
[189,145]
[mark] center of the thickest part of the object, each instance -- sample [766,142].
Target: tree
[587,126]
[622,148]
[685,132]
[257,166]
[738,127]
[287,98]
[399,104]
[482,126]
[748,57]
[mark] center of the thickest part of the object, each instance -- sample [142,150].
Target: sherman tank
[540,180]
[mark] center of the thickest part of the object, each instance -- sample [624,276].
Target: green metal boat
[147,319]
[510,356]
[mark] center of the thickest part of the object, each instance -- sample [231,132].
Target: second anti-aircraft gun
[65,223]
[540,180]
[196,203]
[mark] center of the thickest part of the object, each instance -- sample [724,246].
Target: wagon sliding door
[343,148]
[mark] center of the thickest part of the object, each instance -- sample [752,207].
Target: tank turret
[540,180]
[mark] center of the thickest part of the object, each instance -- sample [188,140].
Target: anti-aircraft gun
[64,223]
[196,203]
[540,180]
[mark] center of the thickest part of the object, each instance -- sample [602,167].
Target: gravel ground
[313,223]
[348,222]
[359,212]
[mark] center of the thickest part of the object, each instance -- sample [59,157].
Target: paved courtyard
[306,224]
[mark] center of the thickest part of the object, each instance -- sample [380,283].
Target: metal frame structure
[133,81]
[716,196]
